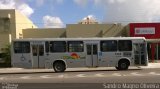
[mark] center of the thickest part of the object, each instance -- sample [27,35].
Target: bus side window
[75,46]
[47,46]
[89,48]
[21,47]
[41,50]
[57,46]
[108,46]
[34,50]
[125,45]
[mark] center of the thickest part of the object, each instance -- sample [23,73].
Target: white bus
[62,53]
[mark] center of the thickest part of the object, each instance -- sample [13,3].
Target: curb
[70,70]
[25,73]
[34,71]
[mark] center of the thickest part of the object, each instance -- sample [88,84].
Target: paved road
[135,75]
[84,78]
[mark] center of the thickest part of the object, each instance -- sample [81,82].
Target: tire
[59,67]
[123,65]
[117,68]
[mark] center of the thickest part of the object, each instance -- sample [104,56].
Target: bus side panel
[21,60]
[72,59]
[108,59]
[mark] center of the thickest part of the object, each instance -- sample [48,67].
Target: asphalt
[25,71]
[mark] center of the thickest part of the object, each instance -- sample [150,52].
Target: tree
[7,55]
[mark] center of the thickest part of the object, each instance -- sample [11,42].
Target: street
[87,79]
[97,76]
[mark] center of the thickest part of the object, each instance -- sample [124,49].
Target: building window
[75,46]
[6,24]
[125,45]
[21,47]
[1,24]
[108,46]
[57,46]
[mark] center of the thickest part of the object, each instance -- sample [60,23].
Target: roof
[60,39]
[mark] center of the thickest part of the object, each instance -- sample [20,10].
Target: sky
[58,13]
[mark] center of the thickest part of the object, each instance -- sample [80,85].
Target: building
[76,30]
[88,20]
[88,27]
[94,30]
[150,31]
[11,24]
[14,25]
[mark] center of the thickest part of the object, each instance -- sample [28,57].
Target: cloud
[18,5]
[125,11]
[52,22]
[130,10]
[25,9]
[42,2]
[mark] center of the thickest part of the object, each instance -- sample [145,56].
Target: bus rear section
[123,53]
[140,53]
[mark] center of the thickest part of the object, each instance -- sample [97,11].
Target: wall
[7,28]
[93,30]
[3,41]
[22,22]
[77,30]
[114,30]
[44,33]
[126,30]
[145,25]
[11,24]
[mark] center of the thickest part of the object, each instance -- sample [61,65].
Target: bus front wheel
[123,65]
[59,66]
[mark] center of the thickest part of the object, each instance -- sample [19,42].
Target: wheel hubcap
[58,67]
[123,65]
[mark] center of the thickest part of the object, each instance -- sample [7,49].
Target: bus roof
[62,39]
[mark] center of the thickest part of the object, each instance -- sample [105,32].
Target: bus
[62,53]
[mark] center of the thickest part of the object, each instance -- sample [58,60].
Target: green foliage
[7,55]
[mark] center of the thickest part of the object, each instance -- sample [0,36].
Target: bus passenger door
[140,54]
[92,56]
[38,59]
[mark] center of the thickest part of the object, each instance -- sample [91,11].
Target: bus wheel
[117,68]
[59,66]
[123,65]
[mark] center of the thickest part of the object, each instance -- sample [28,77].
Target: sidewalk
[24,71]
[152,65]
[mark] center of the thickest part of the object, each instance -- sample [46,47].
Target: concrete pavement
[23,71]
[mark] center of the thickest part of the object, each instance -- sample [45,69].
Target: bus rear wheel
[123,65]
[59,66]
